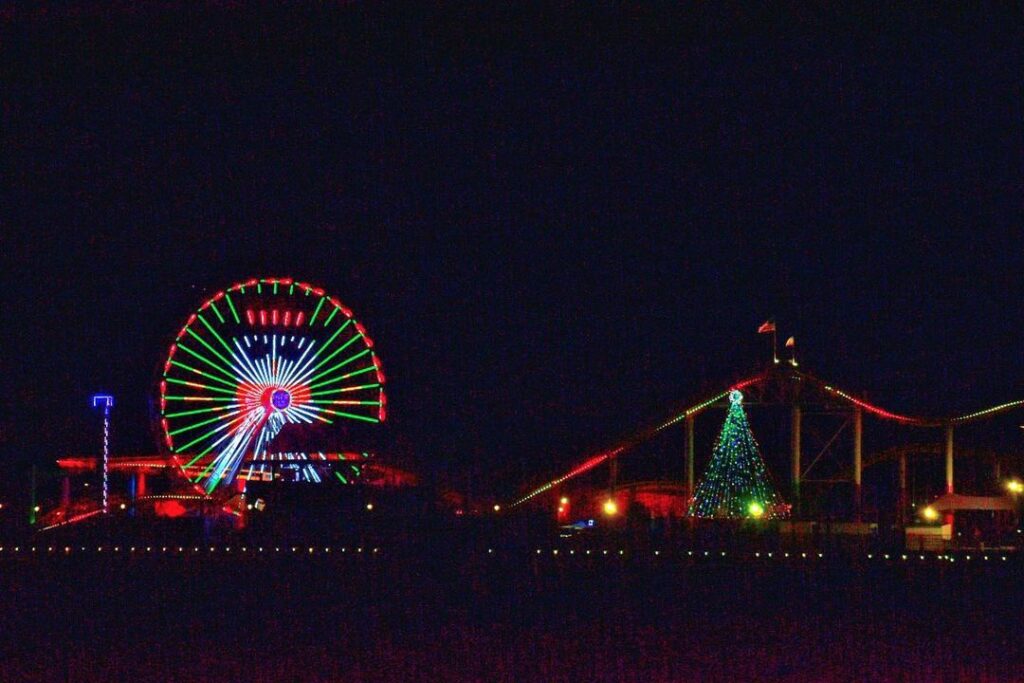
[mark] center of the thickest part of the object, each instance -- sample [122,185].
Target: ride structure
[266,362]
[269,381]
[811,407]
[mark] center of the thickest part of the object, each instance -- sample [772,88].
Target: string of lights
[594,461]
[576,553]
[736,483]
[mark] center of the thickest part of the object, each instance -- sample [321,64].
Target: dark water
[511,617]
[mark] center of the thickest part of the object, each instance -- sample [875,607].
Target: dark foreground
[425,616]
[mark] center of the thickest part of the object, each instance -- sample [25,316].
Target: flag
[767,328]
[791,342]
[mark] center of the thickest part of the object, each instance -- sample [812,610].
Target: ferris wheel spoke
[235,450]
[348,342]
[209,362]
[306,371]
[331,317]
[342,390]
[340,365]
[300,370]
[198,385]
[296,417]
[203,423]
[294,367]
[253,374]
[199,411]
[316,312]
[208,448]
[231,305]
[216,334]
[351,416]
[207,375]
[360,371]
[212,350]
[313,412]
[210,433]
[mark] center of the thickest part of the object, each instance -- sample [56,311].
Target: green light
[213,305]
[351,416]
[316,311]
[206,360]
[197,412]
[234,313]
[212,350]
[736,483]
[204,374]
[219,338]
[347,376]
[189,428]
[201,386]
[336,367]
[325,345]
[209,434]
[336,351]
[331,316]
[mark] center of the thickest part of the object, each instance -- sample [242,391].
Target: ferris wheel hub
[280,399]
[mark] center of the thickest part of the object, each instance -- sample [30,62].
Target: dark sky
[556,223]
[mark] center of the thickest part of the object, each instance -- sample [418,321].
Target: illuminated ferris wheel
[260,361]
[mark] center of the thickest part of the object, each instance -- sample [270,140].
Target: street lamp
[106,402]
[1015,486]
[610,508]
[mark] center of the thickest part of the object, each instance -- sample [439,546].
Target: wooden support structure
[949,458]
[794,447]
[689,458]
[901,514]
[858,438]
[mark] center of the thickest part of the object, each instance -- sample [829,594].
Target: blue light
[280,399]
[105,400]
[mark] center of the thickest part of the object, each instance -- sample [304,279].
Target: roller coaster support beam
[902,512]
[949,458]
[613,474]
[65,493]
[949,472]
[794,447]
[858,436]
[689,458]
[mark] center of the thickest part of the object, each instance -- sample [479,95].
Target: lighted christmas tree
[736,483]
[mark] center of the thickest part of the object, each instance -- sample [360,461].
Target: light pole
[106,401]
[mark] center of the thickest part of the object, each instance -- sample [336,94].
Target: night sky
[557,224]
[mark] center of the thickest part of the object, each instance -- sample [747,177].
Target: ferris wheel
[259,360]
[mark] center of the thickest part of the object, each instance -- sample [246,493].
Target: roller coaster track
[770,374]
